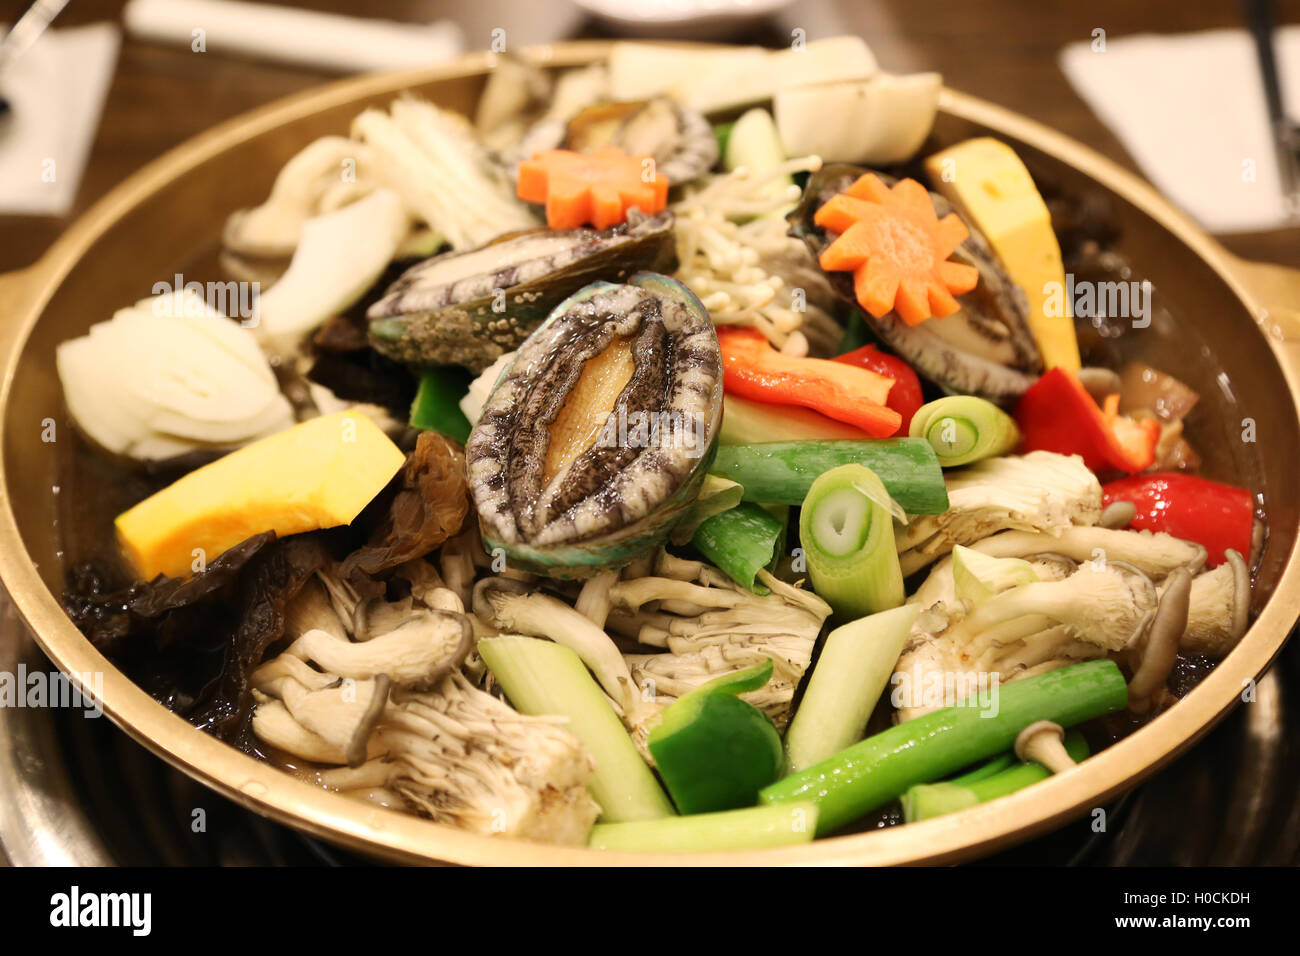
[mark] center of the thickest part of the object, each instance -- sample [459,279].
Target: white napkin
[56,90]
[1191,111]
[302,37]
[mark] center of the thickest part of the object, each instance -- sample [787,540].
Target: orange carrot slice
[897,248]
[591,188]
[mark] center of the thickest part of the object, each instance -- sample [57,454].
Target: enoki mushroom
[722,260]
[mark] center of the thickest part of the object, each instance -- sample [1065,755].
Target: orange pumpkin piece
[897,248]
[595,188]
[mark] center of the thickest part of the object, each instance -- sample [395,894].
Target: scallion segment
[926,800]
[847,534]
[741,541]
[782,472]
[963,429]
[544,678]
[881,768]
[852,671]
[752,828]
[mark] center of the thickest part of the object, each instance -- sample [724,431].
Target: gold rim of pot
[1270,293]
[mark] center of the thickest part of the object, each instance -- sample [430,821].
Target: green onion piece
[781,472]
[978,577]
[852,671]
[848,541]
[927,800]
[437,403]
[752,828]
[963,429]
[716,496]
[987,769]
[542,678]
[740,542]
[782,514]
[874,771]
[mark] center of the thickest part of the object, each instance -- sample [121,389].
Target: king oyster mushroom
[469,308]
[680,140]
[986,349]
[597,437]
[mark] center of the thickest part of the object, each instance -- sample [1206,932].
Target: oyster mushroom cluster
[373,692]
[1081,591]
[598,434]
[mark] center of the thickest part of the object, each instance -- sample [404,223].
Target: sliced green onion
[542,678]
[852,671]
[874,771]
[752,828]
[716,495]
[987,769]
[437,403]
[848,542]
[927,800]
[977,576]
[962,429]
[782,472]
[740,542]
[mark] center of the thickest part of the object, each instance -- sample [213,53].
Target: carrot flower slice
[897,248]
[597,188]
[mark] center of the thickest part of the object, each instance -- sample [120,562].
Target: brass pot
[170,214]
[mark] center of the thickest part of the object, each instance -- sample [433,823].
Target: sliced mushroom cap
[419,652]
[1161,647]
[1219,609]
[343,713]
[273,724]
[1154,554]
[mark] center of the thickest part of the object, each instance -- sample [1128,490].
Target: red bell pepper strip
[1196,509]
[753,369]
[905,395]
[1057,414]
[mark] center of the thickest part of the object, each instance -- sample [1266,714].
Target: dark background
[1002,50]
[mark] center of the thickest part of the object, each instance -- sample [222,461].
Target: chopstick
[1262,19]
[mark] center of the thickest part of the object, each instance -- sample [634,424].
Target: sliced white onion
[167,376]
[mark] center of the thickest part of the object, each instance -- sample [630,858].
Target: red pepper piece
[905,395]
[753,369]
[1057,414]
[1196,509]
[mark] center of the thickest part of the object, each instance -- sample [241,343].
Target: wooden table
[1002,50]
